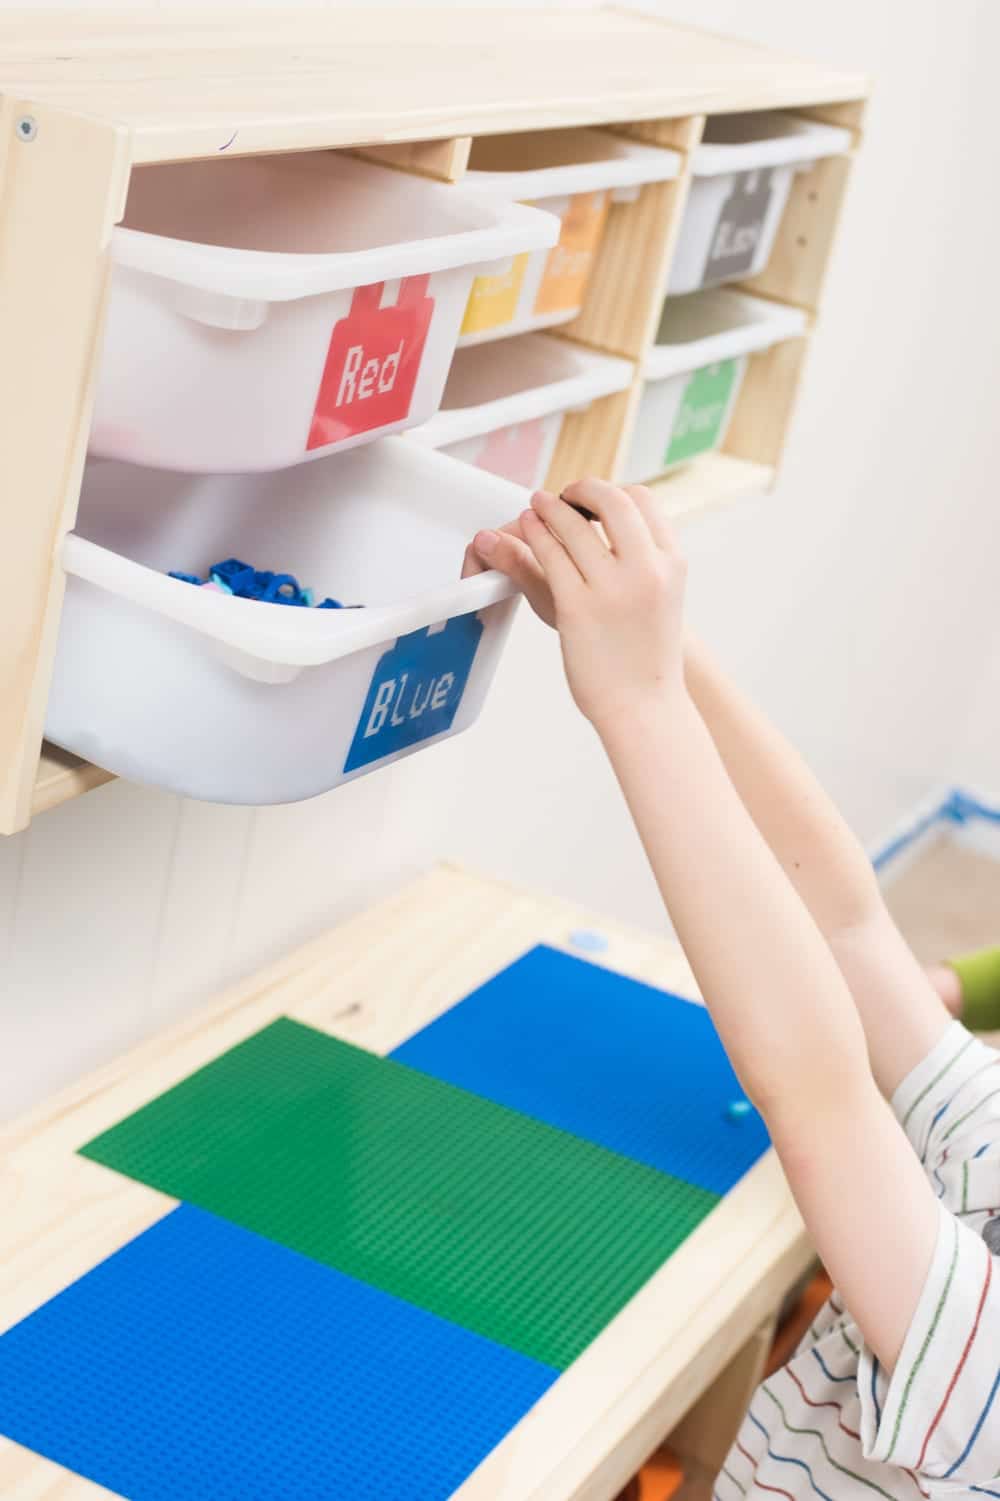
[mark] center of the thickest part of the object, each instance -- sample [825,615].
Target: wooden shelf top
[711,481]
[192,83]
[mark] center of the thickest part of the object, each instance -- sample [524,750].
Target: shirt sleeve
[938,1413]
[949,1107]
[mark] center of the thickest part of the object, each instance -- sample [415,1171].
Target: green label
[698,424]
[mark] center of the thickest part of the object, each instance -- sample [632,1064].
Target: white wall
[976,762]
[853,604]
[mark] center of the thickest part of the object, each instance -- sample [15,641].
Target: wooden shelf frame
[636,253]
[84,96]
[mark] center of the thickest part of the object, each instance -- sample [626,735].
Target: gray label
[741,223]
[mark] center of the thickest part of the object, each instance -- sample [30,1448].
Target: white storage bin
[238,701]
[576,175]
[268,309]
[741,176]
[503,406]
[692,375]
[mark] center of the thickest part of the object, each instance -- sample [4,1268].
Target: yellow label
[493,299]
[570,261]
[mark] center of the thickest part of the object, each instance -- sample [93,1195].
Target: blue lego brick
[204,1363]
[622,1064]
[239,576]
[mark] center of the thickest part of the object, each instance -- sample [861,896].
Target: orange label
[570,261]
[493,299]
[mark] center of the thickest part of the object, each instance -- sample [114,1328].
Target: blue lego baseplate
[625,1065]
[204,1363]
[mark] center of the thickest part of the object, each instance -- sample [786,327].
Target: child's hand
[618,605]
[507,552]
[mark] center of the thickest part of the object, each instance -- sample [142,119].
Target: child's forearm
[774,988]
[901,1014]
[819,853]
[784,1014]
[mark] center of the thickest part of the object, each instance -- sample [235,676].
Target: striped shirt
[829,1425]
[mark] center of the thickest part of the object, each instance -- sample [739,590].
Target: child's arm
[902,1014]
[780,1003]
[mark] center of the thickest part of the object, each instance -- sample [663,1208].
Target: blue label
[415,690]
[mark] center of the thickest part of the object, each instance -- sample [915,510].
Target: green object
[702,413]
[506,1226]
[980,977]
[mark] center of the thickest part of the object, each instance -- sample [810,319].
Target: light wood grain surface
[187,83]
[373,981]
[62,776]
[60,195]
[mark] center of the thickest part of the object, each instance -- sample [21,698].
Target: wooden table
[698,1330]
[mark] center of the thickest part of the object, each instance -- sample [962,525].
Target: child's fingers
[561,573]
[621,518]
[660,528]
[579,538]
[508,553]
[474,560]
[472,563]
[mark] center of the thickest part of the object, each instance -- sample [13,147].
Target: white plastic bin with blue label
[692,375]
[741,175]
[267,310]
[575,175]
[504,405]
[237,701]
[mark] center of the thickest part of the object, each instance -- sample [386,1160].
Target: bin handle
[310,639]
[216,310]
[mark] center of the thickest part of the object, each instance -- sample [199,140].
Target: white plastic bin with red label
[265,310]
[238,701]
[742,173]
[504,405]
[576,175]
[693,373]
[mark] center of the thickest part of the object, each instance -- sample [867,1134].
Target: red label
[372,363]
[514,453]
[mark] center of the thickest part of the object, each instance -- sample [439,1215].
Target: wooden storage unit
[87,95]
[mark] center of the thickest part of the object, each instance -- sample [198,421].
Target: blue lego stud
[738,1110]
